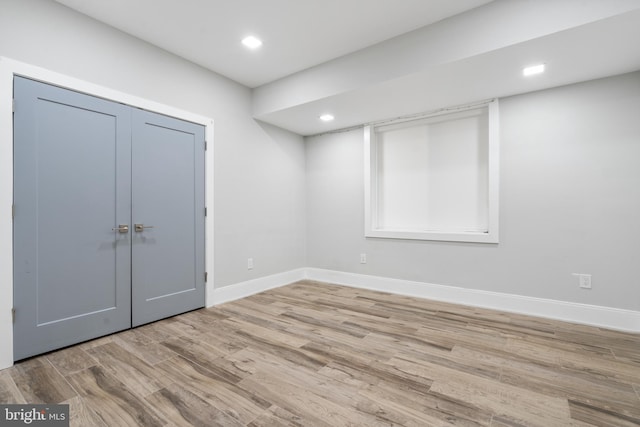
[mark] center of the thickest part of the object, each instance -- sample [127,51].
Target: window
[434,178]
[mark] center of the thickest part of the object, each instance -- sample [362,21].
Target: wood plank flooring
[313,354]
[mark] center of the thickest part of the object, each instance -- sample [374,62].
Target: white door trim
[10,68]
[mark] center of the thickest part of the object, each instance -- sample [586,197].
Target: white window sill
[471,237]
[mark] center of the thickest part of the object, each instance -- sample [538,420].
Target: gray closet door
[168,217]
[72,276]
[86,172]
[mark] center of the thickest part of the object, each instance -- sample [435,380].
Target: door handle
[122,228]
[140,227]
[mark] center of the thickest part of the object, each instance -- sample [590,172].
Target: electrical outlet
[250,264]
[584,280]
[363,258]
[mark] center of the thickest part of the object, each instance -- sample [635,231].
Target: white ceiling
[367,60]
[297,34]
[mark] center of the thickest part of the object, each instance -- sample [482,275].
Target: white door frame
[10,68]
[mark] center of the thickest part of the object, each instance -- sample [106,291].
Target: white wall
[259,208]
[570,203]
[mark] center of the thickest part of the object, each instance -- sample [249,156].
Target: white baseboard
[251,287]
[593,315]
[607,317]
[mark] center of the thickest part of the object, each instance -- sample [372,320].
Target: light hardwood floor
[313,354]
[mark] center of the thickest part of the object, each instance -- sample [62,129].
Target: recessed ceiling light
[534,69]
[326,117]
[252,42]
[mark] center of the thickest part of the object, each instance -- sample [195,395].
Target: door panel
[72,161]
[82,167]
[168,197]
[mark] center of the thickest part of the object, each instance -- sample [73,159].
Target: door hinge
[13,211]
[205,145]
[13,315]
[13,105]
[205,211]
[206,276]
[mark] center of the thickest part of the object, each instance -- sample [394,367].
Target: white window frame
[371,191]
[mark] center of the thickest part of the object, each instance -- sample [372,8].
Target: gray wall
[570,203]
[259,170]
[570,199]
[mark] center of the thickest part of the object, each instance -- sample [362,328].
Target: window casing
[434,178]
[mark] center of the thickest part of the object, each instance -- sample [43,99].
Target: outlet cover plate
[584,280]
